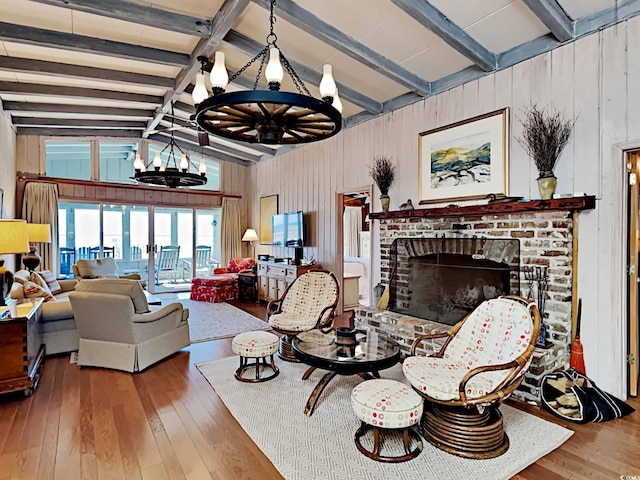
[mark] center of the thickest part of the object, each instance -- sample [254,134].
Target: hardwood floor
[168,423]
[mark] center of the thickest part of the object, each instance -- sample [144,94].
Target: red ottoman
[215,289]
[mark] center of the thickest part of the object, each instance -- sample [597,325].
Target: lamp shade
[39,232]
[13,236]
[250,235]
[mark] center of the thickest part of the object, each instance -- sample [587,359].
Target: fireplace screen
[443,279]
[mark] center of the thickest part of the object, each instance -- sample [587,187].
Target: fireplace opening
[443,279]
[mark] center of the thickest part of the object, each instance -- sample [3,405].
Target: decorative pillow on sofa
[130,288]
[51,280]
[33,290]
[98,268]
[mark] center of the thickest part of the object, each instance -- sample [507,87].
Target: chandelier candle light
[170,174]
[267,116]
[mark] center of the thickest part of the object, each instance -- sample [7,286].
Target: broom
[577,354]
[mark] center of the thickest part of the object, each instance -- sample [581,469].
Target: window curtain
[230,230]
[40,205]
[352,228]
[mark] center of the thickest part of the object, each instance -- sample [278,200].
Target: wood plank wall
[595,80]
[7,173]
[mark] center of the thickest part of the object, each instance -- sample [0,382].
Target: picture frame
[268,208]
[465,160]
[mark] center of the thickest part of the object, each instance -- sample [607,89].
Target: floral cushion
[292,323]
[255,344]
[386,403]
[439,379]
[205,293]
[238,264]
[498,331]
[216,280]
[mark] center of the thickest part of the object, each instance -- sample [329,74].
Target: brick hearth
[546,239]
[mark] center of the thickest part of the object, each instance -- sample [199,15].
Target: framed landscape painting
[465,160]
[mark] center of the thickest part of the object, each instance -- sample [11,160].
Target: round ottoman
[391,405]
[258,345]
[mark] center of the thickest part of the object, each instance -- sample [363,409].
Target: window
[116,161]
[68,159]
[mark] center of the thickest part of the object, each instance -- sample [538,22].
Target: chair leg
[285,350]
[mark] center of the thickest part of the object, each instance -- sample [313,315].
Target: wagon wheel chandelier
[171,173]
[267,116]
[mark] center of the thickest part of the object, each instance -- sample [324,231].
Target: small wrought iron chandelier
[170,174]
[267,116]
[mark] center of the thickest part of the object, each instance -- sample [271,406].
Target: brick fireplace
[544,232]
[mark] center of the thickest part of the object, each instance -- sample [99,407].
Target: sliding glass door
[166,246]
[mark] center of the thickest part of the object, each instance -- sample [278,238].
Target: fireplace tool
[538,276]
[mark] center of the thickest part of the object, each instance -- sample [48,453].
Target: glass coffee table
[367,354]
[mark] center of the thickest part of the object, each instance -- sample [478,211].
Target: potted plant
[544,136]
[383,173]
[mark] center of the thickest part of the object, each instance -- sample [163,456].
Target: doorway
[633,224]
[354,245]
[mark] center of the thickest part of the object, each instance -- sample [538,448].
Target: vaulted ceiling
[114,68]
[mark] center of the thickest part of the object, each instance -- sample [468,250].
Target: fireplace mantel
[587,202]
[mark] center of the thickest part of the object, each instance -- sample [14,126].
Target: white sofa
[118,330]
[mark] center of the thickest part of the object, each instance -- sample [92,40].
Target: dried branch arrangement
[544,136]
[383,173]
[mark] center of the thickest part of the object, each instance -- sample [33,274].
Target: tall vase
[384,202]
[547,187]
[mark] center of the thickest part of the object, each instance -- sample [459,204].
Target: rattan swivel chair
[481,362]
[309,302]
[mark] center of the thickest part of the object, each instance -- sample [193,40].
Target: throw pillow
[33,290]
[51,280]
[99,267]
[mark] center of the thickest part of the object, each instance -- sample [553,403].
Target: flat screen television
[287,229]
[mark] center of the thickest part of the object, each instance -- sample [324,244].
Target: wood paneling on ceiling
[385,53]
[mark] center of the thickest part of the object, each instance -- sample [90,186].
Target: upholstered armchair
[118,330]
[236,265]
[307,303]
[481,361]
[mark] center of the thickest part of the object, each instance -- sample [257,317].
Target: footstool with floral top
[257,345]
[390,405]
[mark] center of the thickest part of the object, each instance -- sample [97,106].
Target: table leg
[317,391]
[308,373]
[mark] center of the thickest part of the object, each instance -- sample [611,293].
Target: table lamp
[250,235]
[13,239]
[37,233]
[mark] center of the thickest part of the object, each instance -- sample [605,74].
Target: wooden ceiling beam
[426,14]
[194,148]
[554,17]
[222,22]
[37,89]
[13,64]
[250,47]
[21,121]
[137,13]
[78,109]
[81,43]
[184,135]
[78,132]
[301,18]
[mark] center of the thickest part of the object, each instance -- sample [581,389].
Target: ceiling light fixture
[170,174]
[267,116]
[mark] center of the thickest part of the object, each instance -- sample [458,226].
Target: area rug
[209,321]
[321,446]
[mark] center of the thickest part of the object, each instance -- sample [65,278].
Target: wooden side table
[21,347]
[248,286]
